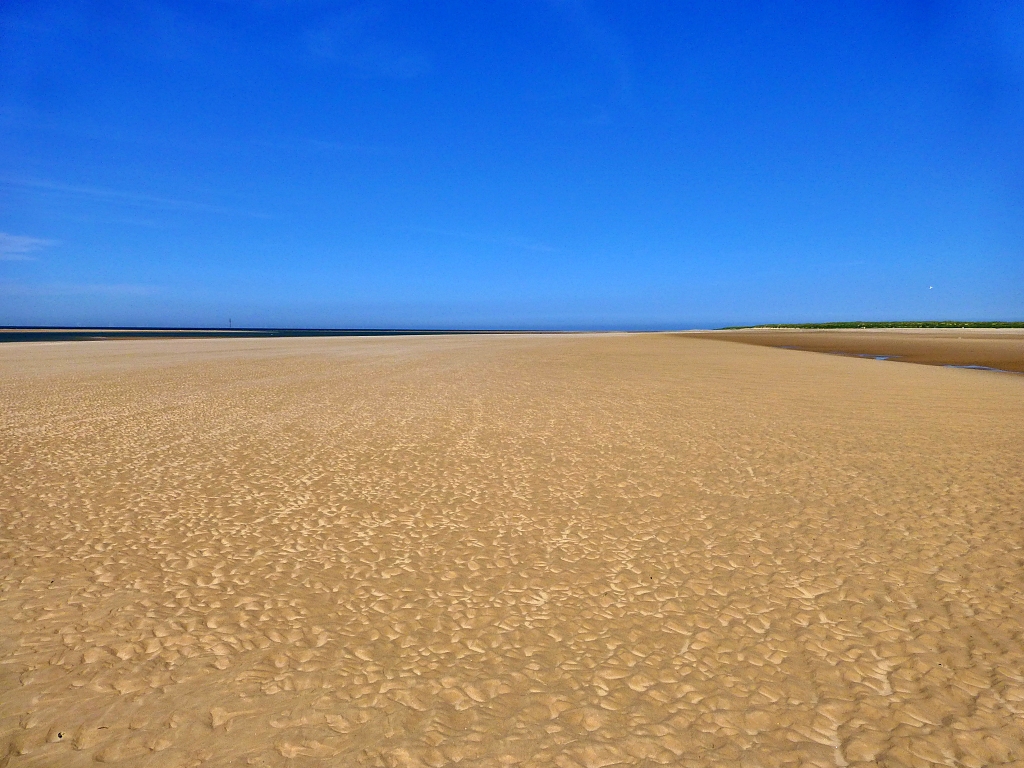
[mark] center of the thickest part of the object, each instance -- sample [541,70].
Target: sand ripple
[497,551]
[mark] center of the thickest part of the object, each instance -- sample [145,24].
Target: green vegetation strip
[897,324]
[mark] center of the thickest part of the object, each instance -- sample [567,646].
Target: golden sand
[493,551]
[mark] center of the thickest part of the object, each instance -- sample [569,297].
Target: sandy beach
[580,550]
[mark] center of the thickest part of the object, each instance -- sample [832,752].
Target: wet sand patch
[992,349]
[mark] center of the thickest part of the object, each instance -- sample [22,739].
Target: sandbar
[996,348]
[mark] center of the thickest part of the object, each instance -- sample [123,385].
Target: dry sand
[486,551]
[1001,348]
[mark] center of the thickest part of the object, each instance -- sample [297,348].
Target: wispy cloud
[21,247]
[124,197]
[11,288]
[503,241]
[323,146]
[599,38]
[352,40]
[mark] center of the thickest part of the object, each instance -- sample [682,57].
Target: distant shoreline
[27,333]
[45,333]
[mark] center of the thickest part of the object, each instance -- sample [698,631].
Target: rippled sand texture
[489,551]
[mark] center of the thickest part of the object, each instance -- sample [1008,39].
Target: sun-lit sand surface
[489,551]
[1001,348]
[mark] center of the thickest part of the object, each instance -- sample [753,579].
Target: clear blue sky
[509,163]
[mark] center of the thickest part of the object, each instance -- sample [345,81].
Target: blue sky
[508,164]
